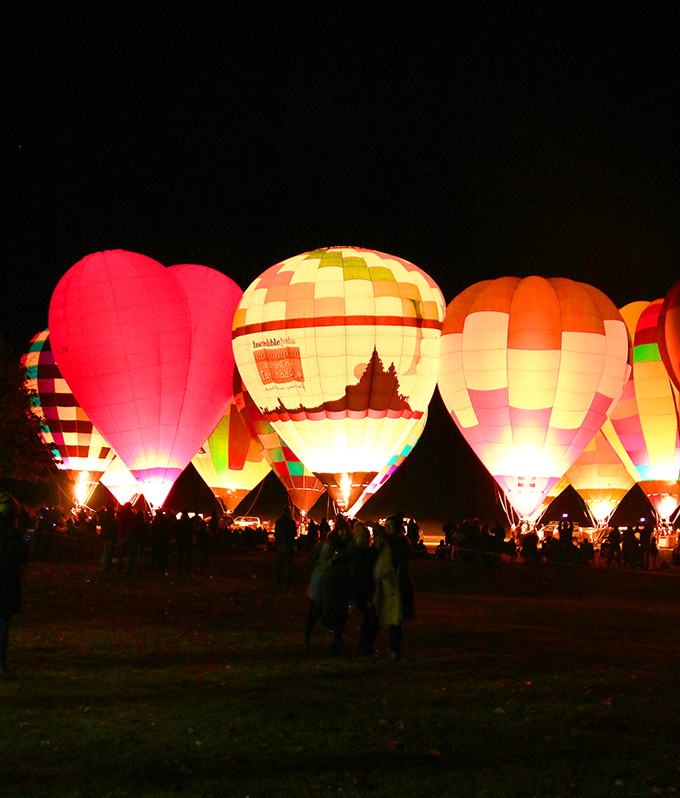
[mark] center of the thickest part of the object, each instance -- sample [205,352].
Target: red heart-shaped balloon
[133,340]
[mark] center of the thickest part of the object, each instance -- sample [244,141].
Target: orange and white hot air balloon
[529,370]
[338,348]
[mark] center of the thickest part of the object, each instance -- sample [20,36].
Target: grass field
[513,683]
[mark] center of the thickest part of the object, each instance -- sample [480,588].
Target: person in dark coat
[285,532]
[394,595]
[13,554]
[362,560]
[329,587]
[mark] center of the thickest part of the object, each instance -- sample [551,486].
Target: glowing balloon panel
[130,338]
[338,348]
[231,461]
[392,465]
[600,477]
[669,334]
[302,486]
[65,428]
[645,421]
[529,370]
[120,482]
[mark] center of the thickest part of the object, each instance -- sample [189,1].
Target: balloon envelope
[65,428]
[338,348]
[529,370]
[391,466]
[303,488]
[669,334]
[231,461]
[600,478]
[645,420]
[130,338]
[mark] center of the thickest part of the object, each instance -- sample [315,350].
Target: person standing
[362,560]
[285,532]
[394,595]
[13,554]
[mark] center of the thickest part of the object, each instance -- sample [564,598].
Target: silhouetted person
[13,554]
[614,540]
[285,532]
[646,532]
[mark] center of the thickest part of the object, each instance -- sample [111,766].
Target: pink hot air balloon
[147,352]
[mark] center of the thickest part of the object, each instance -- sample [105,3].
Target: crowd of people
[349,562]
[348,568]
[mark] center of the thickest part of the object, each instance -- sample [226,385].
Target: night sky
[476,143]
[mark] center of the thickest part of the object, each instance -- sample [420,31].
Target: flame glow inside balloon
[600,478]
[392,465]
[120,482]
[529,370]
[338,348]
[126,333]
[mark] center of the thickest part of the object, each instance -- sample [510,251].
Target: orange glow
[529,370]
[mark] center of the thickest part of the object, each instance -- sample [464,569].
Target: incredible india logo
[278,361]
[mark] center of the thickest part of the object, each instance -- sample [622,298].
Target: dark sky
[475,143]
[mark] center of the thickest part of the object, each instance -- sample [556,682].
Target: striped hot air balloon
[338,348]
[529,369]
[645,421]
[65,428]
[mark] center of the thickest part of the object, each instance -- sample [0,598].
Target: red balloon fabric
[668,334]
[130,338]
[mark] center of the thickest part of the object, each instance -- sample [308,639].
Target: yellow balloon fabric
[338,348]
[600,477]
[645,420]
[231,461]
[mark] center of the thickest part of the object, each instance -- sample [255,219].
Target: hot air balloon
[338,348]
[645,421]
[146,350]
[231,461]
[302,486]
[65,428]
[391,466]
[600,478]
[529,369]
[669,334]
